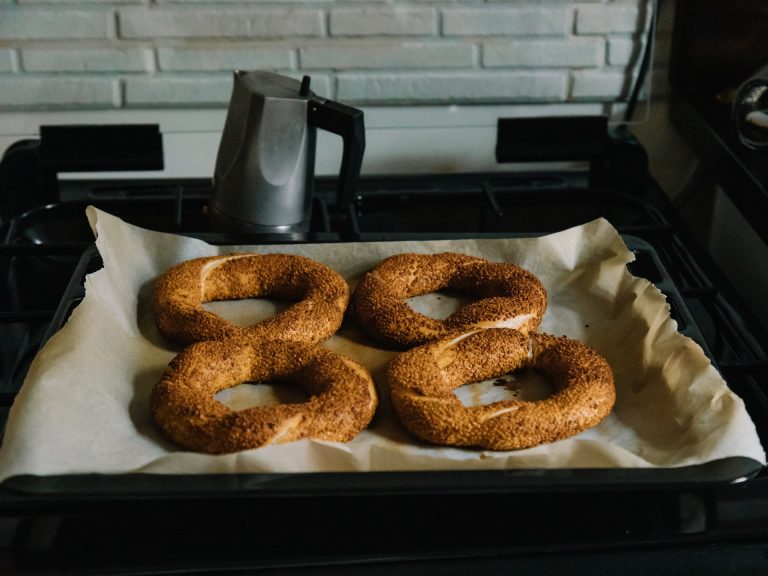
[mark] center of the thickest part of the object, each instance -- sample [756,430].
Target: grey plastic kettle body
[264,172]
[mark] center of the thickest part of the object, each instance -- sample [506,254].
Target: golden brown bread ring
[342,396]
[510,296]
[321,297]
[422,381]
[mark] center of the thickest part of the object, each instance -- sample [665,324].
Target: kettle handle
[347,122]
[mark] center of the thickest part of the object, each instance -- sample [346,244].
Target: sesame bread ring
[509,297]
[342,396]
[320,294]
[422,381]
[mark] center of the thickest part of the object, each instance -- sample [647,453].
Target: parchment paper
[83,407]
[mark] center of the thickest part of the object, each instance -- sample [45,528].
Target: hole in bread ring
[523,384]
[318,295]
[250,394]
[509,297]
[422,383]
[341,396]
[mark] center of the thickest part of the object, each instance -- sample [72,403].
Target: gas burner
[96,524]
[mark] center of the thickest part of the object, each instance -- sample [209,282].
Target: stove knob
[750,111]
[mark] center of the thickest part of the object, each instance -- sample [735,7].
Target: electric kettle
[264,171]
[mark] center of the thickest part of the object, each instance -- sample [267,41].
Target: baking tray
[146,486]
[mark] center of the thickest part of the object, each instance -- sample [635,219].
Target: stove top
[449,529]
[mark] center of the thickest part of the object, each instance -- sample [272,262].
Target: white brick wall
[445,87]
[131,54]
[383,20]
[599,85]
[397,55]
[85,59]
[6,60]
[31,91]
[622,49]
[555,52]
[505,21]
[56,22]
[260,56]
[187,22]
[607,19]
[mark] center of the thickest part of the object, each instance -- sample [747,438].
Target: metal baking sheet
[149,486]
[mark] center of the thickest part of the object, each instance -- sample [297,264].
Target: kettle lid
[271,85]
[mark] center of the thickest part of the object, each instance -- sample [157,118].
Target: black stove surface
[401,527]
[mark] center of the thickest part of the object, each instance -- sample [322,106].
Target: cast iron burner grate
[43,245]
[47,249]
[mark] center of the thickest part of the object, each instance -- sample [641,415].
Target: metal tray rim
[150,486]
[144,485]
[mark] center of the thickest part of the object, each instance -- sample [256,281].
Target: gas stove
[701,519]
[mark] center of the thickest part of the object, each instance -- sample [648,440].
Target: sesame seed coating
[422,381]
[342,397]
[321,296]
[507,294]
